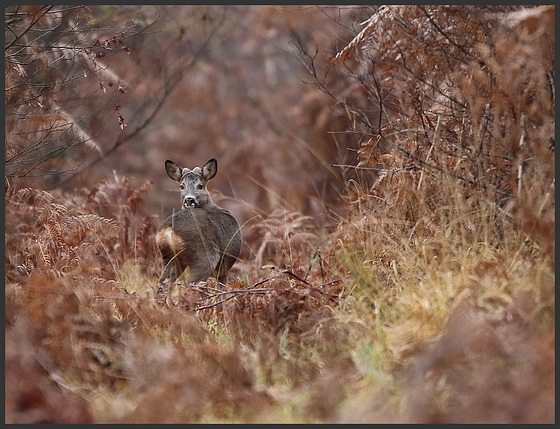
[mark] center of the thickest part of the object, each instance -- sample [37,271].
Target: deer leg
[172,269]
[223,267]
[203,268]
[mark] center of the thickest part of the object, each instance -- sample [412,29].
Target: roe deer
[202,236]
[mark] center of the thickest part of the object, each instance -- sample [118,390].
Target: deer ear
[209,169]
[173,170]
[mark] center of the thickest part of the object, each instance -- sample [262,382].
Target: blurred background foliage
[123,88]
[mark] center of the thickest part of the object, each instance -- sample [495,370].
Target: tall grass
[431,301]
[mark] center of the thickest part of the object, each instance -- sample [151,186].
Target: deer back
[200,233]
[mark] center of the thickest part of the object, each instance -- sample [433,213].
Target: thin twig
[34,21]
[229,294]
[232,293]
[295,276]
[382,170]
[169,85]
[449,39]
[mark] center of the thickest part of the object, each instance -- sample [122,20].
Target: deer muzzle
[189,202]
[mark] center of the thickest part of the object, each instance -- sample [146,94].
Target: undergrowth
[384,320]
[431,301]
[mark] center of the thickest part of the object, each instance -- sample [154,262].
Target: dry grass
[431,301]
[394,321]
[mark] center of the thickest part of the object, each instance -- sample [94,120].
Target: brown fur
[202,237]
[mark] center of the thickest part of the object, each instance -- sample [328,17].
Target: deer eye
[182,186]
[200,186]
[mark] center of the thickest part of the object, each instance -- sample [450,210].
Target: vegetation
[397,203]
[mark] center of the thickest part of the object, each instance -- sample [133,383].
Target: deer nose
[189,202]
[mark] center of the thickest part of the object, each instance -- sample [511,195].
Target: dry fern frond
[43,232]
[79,225]
[32,195]
[285,235]
[353,47]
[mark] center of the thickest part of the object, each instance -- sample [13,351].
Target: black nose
[189,202]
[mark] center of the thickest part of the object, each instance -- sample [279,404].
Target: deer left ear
[173,170]
[209,169]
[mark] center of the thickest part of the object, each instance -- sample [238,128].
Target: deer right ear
[209,169]
[173,170]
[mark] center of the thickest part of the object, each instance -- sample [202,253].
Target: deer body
[202,236]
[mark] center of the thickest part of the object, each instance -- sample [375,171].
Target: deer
[201,236]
